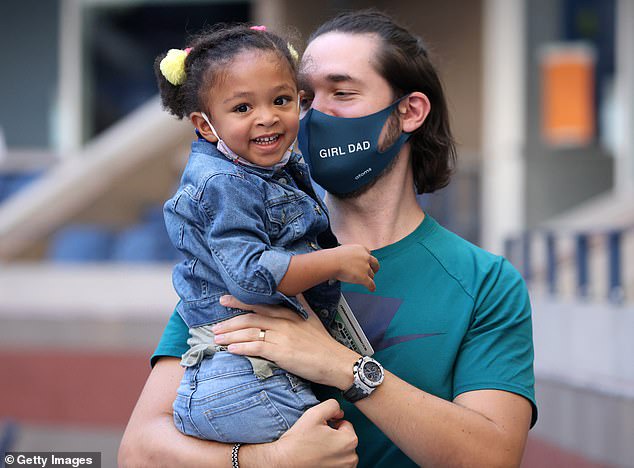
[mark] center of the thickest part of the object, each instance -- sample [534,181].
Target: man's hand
[313,442]
[300,346]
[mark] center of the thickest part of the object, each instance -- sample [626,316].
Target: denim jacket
[238,227]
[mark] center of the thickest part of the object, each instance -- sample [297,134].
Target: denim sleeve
[239,242]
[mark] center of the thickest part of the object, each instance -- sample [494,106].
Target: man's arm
[151,439]
[485,428]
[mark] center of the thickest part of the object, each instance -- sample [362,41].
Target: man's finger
[242,322]
[324,412]
[242,336]
[262,309]
[374,264]
[346,426]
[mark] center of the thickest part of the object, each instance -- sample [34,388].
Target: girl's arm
[351,263]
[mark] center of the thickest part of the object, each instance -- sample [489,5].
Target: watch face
[372,372]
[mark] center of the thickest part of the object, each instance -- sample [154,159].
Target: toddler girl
[249,224]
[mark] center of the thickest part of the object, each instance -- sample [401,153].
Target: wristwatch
[368,374]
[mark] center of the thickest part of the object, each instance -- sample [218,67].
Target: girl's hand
[302,347]
[356,265]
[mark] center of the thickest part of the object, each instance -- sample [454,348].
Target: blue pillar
[508,250]
[551,262]
[582,264]
[615,289]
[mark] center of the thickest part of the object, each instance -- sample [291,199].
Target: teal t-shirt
[446,317]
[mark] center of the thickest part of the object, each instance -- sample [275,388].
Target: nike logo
[375,313]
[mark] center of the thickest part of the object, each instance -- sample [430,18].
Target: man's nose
[323,104]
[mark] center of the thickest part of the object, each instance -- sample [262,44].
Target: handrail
[520,251]
[79,180]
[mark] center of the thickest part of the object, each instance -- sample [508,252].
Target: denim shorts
[221,399]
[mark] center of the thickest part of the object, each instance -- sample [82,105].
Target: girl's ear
[202,126]
[413,110]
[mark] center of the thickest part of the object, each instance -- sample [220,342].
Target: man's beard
[392,133]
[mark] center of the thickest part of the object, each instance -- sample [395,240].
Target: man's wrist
[344,377]
[260,455]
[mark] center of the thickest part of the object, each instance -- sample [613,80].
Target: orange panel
[568,96]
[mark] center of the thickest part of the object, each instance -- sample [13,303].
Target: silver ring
[262,335]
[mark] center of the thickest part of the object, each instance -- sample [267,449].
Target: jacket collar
[203,146]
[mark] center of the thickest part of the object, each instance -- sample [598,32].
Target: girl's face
[253,106]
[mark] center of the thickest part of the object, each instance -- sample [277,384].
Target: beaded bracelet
[234,456]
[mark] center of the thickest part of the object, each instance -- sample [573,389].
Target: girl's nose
[268,117]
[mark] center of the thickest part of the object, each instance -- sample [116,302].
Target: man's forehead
[332,74]
[334,68]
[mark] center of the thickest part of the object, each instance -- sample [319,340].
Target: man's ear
[202,126]
[413,111]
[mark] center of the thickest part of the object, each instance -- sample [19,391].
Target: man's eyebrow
[340,77]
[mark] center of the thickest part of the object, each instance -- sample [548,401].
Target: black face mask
[343,153]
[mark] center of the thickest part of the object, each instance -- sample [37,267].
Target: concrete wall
[585,378]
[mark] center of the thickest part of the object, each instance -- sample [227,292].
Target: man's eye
[241,108]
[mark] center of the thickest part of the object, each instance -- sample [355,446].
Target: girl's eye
[241,108]
[281,100]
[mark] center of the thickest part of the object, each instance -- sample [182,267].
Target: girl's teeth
[266,139]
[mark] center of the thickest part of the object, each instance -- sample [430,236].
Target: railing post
[582,264]
[526,256]
[615,288]
[551,263]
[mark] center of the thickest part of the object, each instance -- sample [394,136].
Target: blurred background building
[541,95]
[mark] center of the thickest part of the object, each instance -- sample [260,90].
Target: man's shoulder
[465,262]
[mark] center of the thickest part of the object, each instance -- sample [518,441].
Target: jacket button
[313,246]
[331,282]
[283,180]
[324,313]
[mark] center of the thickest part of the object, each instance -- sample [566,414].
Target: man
[449,322]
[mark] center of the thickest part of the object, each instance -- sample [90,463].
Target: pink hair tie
[188,50]
[258,28]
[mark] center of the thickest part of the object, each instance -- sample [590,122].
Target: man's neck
[383,215]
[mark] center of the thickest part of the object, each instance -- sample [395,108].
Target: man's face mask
[343,153]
